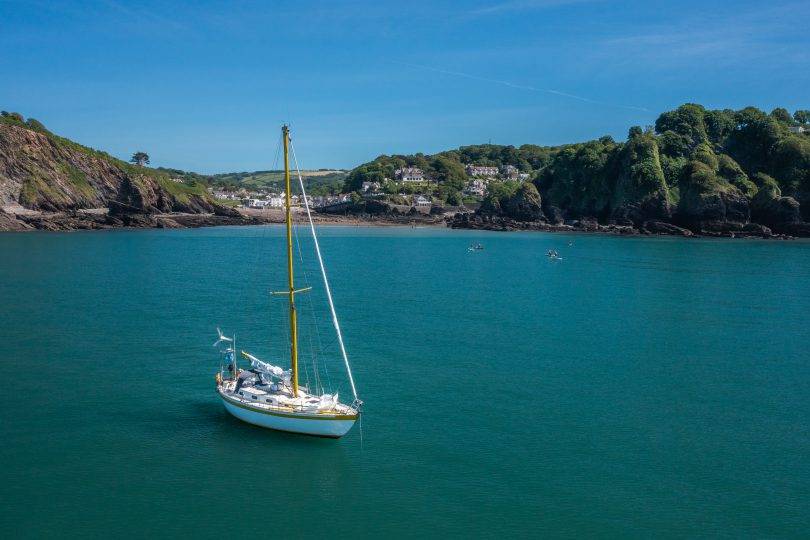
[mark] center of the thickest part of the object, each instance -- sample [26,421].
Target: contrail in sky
[521,86]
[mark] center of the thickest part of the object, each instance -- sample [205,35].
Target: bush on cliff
[688,121]
[525,204]
[641,192]
[770,208]
[579,178]
[497,194]
[731,171]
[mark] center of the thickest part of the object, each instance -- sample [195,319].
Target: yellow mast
[285,131]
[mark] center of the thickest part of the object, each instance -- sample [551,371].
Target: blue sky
[205,85]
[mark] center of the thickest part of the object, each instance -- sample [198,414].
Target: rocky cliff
[714,173]
[50,182]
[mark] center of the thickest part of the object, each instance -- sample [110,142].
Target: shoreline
[722,230]
[99,219]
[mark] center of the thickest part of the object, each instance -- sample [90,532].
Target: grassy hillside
[16,119]
[43,171]
[318,182]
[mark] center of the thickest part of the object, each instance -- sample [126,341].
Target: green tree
[781,114]
[802,116]
[454,198]
[525,204]
[369,172]
[753,139]
[497,194]
[731,171]
[536,157]
[719,124]
[686,120]
[580,176]
[448,171]
[673,145]
[140,158]
[36,125]
[640,190]
[790,164]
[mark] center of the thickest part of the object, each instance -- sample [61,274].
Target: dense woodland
[694,165]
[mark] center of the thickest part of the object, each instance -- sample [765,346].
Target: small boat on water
[476,247]
[270,396]
[553,255]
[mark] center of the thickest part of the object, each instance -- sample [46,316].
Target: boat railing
[300,408]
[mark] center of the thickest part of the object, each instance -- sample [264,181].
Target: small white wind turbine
[221,338]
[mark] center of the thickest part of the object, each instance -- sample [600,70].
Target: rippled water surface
[638,386]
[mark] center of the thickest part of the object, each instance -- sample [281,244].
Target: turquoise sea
[640,387]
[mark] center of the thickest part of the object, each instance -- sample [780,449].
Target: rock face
[42,172]
[775,212]
[712,209]
[652,208]
[9,222]
[659,227]
[641,192]
[770,208]
[554,214]
[525,204]
[382,211]
[50,179]
[137,196]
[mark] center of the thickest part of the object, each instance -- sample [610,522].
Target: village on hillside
[410,186]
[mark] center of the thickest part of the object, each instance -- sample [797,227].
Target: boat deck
[282,401]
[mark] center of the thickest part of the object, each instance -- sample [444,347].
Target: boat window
[254,397]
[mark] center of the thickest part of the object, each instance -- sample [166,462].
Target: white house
[477,187]
[482,171]
[258,204]
[410,174]
[799,129]
[421,200]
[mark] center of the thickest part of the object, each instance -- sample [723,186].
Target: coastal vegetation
[697,168]
[140,158]
[319,182]
[48,181]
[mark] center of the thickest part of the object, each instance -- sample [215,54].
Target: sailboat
[268,395]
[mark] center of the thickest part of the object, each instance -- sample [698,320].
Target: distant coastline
[99,221]
[697,172]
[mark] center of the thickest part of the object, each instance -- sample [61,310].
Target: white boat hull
[317,425]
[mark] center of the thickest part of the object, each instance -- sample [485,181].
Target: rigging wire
[314,324]
[313,327]
[312,354]
[325,279]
